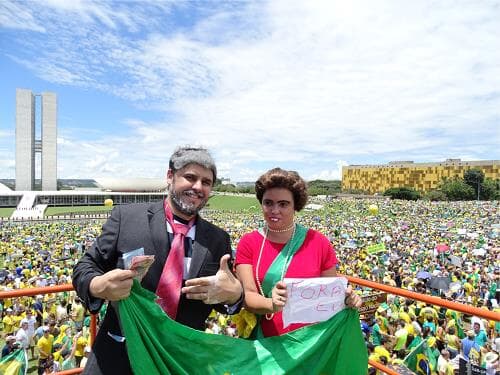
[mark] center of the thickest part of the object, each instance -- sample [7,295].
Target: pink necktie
[169,286]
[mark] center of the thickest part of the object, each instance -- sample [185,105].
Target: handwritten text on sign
[314,299]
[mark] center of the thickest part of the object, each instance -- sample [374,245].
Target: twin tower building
[29,143]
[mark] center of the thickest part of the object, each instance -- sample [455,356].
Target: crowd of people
[53,328]
[456,243]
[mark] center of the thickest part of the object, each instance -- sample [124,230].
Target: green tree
[323,187]
[246,189]
[435,195]
[404,193]
[490,189]
[226,188]
[457,190]
[474,178]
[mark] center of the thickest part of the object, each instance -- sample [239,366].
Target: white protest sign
[313,300]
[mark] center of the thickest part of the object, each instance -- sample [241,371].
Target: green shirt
[376,336]
[401,336]
[68,364]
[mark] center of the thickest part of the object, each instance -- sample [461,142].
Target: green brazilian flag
[16,363]
[158,345]
[422,359]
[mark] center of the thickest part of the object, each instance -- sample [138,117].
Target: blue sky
[305,85]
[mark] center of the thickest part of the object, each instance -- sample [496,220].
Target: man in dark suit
[100,276]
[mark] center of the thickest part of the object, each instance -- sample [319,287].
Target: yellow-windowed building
[420,176]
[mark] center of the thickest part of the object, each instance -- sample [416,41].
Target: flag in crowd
[16,363]
[422,359]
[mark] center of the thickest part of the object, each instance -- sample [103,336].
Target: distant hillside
[77,182]
[322,187]
[315,187]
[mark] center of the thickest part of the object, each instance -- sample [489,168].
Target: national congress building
[420,176]
[27,143]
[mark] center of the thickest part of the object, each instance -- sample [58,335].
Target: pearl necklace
[281,230]
[287,257]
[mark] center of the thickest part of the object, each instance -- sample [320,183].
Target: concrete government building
[420,176]
[27,145]
[39,111]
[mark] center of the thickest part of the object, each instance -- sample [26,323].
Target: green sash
[279,267]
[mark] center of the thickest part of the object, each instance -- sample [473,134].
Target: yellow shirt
[57,356]
[8,324]
[426,311]
[452,341]
[405,316]
[222,320]
[411,330]
[45,345]
[16,321]
[468,288]
[411,311]
[61,338]
[80,346]
[382,352]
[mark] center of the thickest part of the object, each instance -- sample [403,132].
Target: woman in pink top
[281,249]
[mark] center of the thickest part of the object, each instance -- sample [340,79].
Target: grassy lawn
[51,211]
[6,212]
[233,203]
[216,202]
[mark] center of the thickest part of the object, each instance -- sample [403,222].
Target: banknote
[141,264]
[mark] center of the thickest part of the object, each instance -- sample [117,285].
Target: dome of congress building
[4,188]
[131,184]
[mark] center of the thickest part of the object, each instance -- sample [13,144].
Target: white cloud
[335,174]
[15,15]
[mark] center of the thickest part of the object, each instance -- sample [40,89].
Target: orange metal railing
[72,371]
[25,292]
[470,310]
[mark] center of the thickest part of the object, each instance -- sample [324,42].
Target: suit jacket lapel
[199,251]
[161,242]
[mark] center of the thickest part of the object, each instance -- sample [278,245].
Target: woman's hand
[352,299]
[279,296]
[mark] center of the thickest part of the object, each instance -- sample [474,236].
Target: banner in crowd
[158,345]
[15,363]
[467,368]
[314,299]
[371,302]
[376,248]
